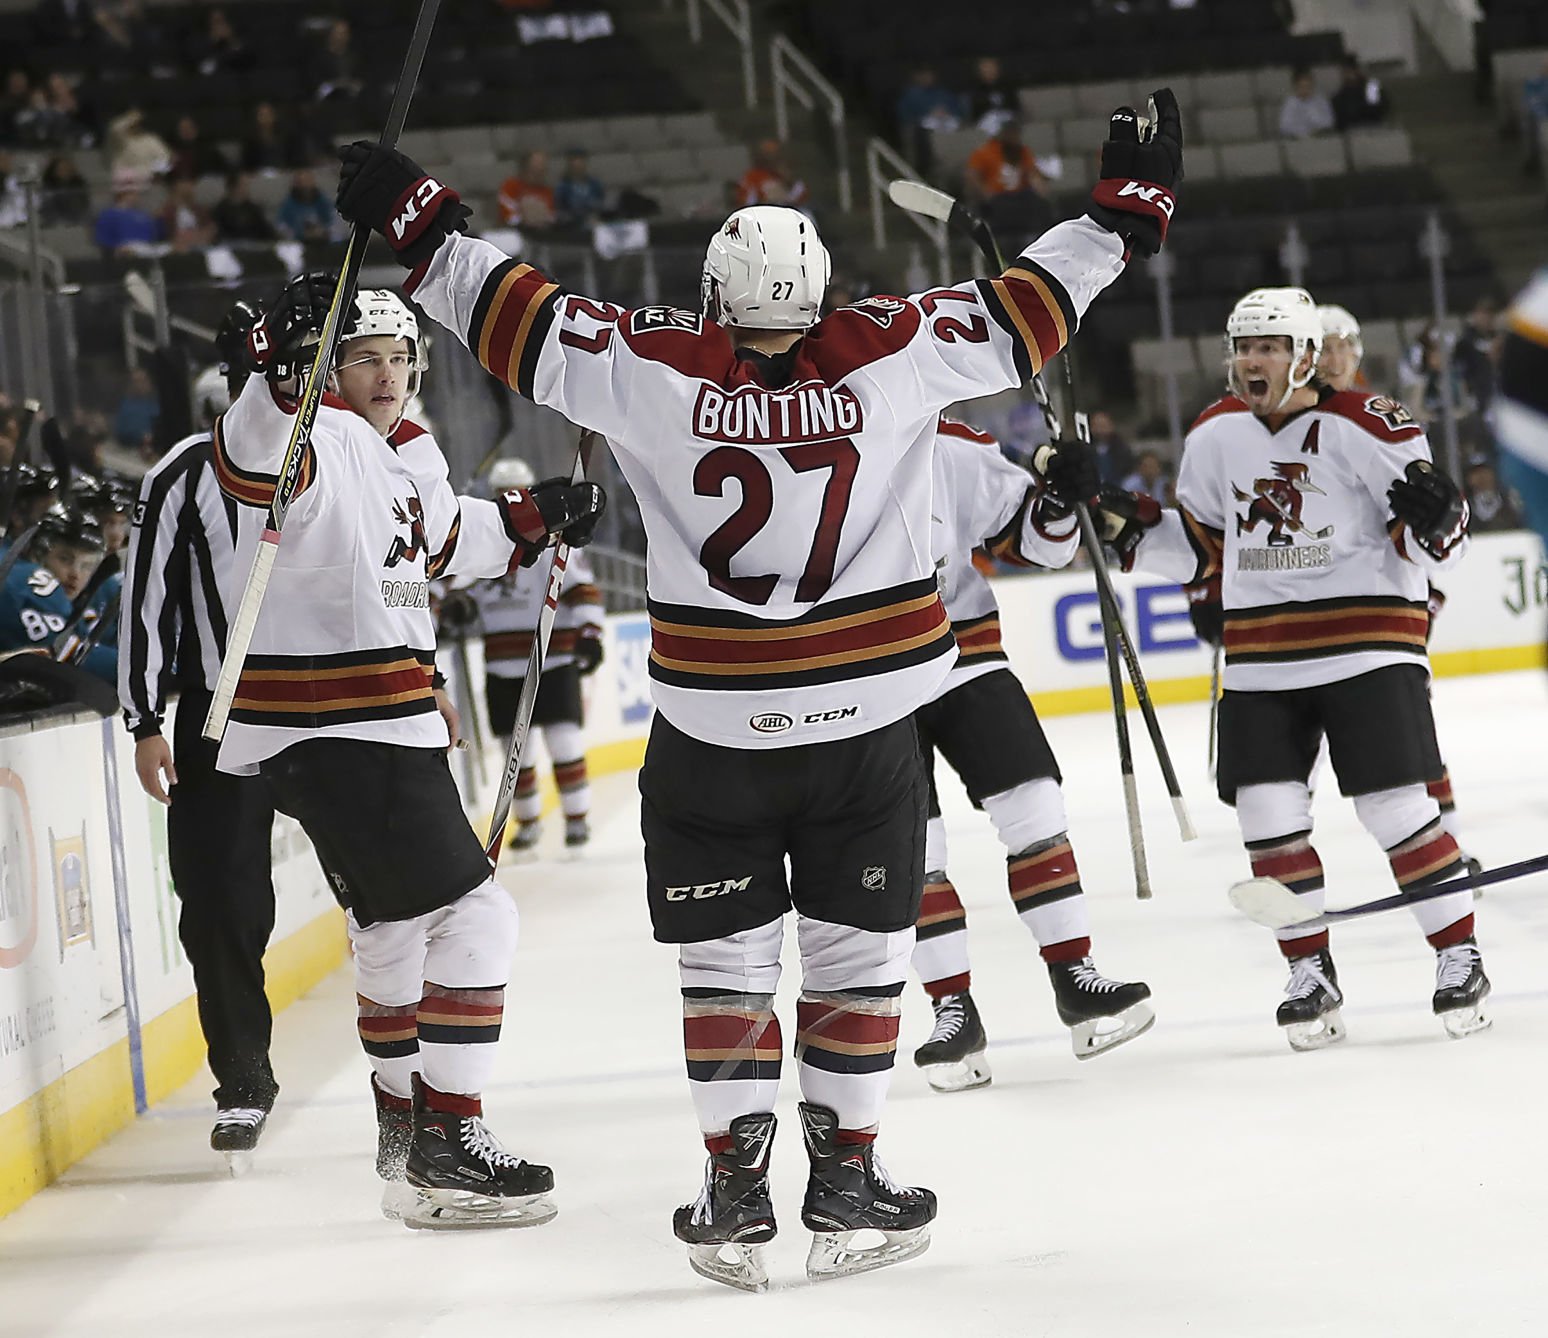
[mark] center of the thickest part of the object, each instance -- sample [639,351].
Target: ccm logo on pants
[704,891]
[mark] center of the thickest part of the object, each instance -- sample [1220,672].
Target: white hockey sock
[528,803]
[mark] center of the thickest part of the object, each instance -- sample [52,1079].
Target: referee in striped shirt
[172,636]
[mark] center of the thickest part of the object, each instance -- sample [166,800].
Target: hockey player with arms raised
[1324,515]
[782,467]
[981,721]
[338,709]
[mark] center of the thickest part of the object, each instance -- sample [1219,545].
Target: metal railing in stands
[883,164]
[621,575]
[794,76]
[736,15]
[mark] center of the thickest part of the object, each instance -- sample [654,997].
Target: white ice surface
[1202,1181]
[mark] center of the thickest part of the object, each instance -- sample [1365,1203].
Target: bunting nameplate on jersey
[315,691]
[514,311]
[869,634]
[1307,631]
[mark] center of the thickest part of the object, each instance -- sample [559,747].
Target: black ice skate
[524,840]
[236,1133]
[1310,1011]
[1460,989]
[849,1193]
[466,1179]
[394,1134]
[731,1221]
[953,1058]
[577,833]
[1101,1014]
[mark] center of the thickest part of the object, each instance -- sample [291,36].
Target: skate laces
[477,1139]
[950,1018]
[704,1205]
[1305,978]
[249,1117]
[1084,975]
[880,1176]
[1454,965]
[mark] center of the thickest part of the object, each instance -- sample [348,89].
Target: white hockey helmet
[1339,323]
[379,311]
[1287,312]
[509,473]
[210,396]
[765,269]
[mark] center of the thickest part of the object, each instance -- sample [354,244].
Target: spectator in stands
[66,197]
[134,147]
[13,102]
[1494,507]
[1359,99]
[194,154]
[924,106]
[124,228]
[218,49]
[267,147]
[771,179]
[62,23]
[13,196]
[1534,113]
[1477,352]
[1003,165]
[1305,111]
[135,422]
[1424,373]
[185,223]
[527,200]
[336,67]
[1114,458]
[1150,477]
[54,116]
[579,196]
[991,98]
[238,217]
[306,214]
[127,39]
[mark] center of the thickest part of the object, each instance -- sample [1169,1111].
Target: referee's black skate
[849,1193]
[465,1178]
[953,1058]
[1460,989]
[394,1134]
[236,1133]
[731,1221]
[1310,1011]
[1101,1014]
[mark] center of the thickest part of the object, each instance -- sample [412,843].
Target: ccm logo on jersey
[828,717]
[423,193]
[704,891]
[1150,195]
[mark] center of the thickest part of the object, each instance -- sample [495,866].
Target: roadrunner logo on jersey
[412,549]
[1277,503]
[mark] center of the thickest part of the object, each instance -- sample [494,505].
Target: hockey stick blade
[918,198]
[1268,902]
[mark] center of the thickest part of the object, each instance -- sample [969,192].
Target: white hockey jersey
[345,643]
[1318,580]
[508,608]
[792,588]
[982,499]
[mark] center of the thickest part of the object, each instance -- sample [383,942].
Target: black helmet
[72,528]
[33,483]
[231,341]
[110,492]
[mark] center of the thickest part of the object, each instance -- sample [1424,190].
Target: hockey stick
[1214,707]
[918,198]
[106,569]
[240,635]
[521,727]
[30,410]
[13,554]
[1268,902]
[109,613]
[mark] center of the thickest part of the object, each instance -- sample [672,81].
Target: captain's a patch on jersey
[1390,411]
[645,319]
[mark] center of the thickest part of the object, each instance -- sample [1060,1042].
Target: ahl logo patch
[770,722]
[874,878]
[1392,413]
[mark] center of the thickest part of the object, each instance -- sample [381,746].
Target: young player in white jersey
[1338,366]
[508,610]
[782,468]
[337,710]
[1324,516]
[983,724]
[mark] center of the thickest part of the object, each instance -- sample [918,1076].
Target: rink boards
[89,956]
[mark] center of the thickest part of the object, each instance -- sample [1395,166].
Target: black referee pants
[218,839]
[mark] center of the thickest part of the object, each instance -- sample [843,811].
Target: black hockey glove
[1431,505]
[1134,195]
[588,650]
[458,614]
[390,193]
[553,509]
[1206,611]
[1122,518]
[277,345]
[1069,473]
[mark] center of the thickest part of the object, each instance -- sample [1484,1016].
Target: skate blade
[1088,1041]
[574,854]
[459,1210]
[1318,1034]
[238,1162]
[739,1266]
[1463,1022]
[834,1255]
[962,1076]
[398,1196]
